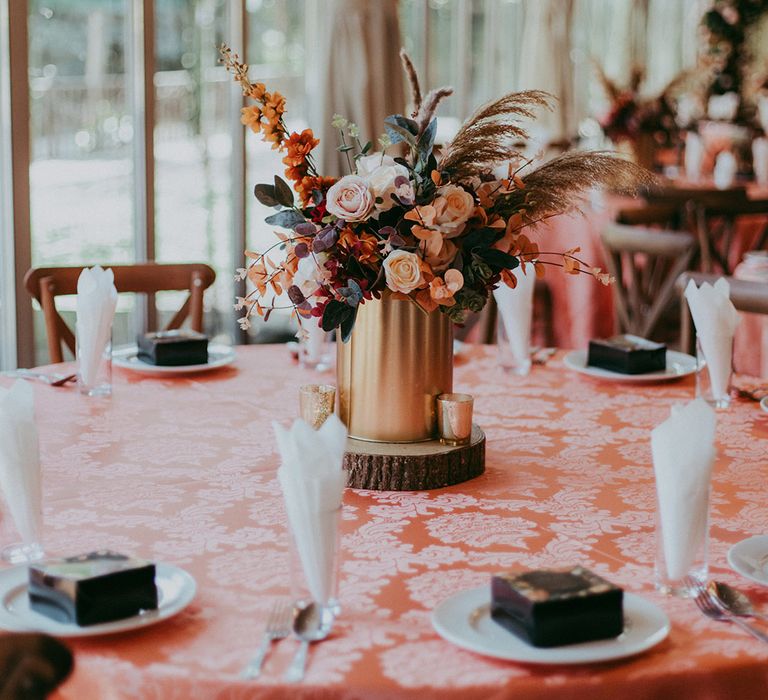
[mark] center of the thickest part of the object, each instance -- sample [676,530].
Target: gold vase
[398,359]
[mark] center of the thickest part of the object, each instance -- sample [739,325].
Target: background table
[583,309]
[183,471]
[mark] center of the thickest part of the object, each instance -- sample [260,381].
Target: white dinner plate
[175,590]
[750,558]
[464,619]
[127,358]
[678,365]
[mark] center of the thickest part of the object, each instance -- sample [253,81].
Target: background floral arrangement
[441,233]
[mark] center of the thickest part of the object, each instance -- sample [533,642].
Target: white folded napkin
[723,107]
[760,160]
[515,311]
[715,319]
[20,480]
[312,481]
[762,112]
[725,170]
[96,303]
[694,154]
[683,453]
[312,339]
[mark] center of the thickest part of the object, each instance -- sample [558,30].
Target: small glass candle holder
[454,418]
[316,403]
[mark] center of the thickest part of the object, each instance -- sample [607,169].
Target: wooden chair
[681,196]
[645,262]
[665,215]
[747,296]
[715,226]
[46,283]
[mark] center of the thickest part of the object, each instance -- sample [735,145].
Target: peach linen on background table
[583,310]
[183,471]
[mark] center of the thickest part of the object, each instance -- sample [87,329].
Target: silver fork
[712,609]
[49,379]
[278,627]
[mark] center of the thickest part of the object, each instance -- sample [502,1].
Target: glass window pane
[81,173]
[275,54]
[193,149]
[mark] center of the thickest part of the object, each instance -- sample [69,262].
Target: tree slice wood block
[415,466]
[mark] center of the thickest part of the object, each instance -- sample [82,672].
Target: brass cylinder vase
[396,362]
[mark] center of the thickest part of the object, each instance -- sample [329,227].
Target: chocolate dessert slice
[627,354]
[92,588]
[173,348]
[555,607]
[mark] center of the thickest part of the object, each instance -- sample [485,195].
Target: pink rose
[453,206]
[350,199]
[403,271]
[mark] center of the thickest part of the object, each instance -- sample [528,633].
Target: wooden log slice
[392,466]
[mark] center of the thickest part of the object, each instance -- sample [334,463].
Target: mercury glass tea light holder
[316,403]
[454,418]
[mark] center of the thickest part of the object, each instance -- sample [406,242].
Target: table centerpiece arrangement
[410,241]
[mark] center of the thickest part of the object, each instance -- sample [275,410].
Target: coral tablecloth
[583,308]
[183,471]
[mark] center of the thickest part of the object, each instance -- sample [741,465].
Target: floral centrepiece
[438,229]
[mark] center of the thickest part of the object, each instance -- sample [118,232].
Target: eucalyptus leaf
[266,195]
[499,259]
[288,218]
[283,192]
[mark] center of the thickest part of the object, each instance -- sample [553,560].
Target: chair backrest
[645,262]
[46,283]
[705,196]
[747,296]
[666,215]
[715,226]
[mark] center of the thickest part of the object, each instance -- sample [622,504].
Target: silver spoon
[734,601]
[311,623]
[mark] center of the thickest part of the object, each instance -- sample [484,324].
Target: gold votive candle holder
[454,418]
[316,403]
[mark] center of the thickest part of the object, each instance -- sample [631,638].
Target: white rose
[311,273]
[381,171]
[350,199]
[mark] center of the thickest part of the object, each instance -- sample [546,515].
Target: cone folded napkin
[20,480]
[725,170]
[96,303]
[760,160]
[715,319]
[516,310]
[683,453]
[312,481]
[694,155]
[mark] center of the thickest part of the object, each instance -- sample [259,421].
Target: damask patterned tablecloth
[183,471]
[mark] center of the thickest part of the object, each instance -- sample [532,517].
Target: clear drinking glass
[511,358]
[715,396]
[314,564]
[682,546]
[98,380]
[21,544]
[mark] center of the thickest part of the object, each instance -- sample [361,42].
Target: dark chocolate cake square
[555,607]
[92,588]
[173,348]
[627,354]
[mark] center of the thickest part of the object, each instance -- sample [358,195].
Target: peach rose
[402,271]
[442,291]
[350,199]
[453,206]
[438,251]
